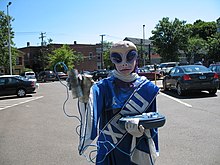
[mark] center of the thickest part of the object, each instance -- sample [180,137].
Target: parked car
[61,76]
[100,74]
[150,67]
[215,68]
[149,74]
[164,68]
[46,76]
[191,78]
[15,85]
[30,75]
[198,63]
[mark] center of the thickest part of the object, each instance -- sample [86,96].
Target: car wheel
[164,86]
[21,92]
[212,91]
[180,92]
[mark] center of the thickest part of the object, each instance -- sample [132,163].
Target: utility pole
[42,58]
[9,39]
[102,62]
[42,36]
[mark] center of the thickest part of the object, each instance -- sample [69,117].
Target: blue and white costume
[109,100]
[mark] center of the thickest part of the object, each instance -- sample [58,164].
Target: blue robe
[107,97]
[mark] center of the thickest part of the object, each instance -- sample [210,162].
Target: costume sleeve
[90,113]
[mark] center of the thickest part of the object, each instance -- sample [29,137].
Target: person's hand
[132,127]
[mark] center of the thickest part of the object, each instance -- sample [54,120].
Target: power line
[26,33]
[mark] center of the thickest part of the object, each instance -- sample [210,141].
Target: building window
[99,56]
[28,55]
[19,61]
[90,55]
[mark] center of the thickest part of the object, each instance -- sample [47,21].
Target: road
[35,131]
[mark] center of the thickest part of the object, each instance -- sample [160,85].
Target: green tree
[169,37]
[203,29]
[106,55]
[196,49]
[64,54]
[203,42]
[4,53]
[214,47]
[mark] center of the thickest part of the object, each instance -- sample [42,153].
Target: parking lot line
[177,100]
[19,103]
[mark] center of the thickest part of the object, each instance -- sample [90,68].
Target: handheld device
[148,120]
[74,83]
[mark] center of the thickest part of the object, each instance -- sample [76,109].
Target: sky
[84,21]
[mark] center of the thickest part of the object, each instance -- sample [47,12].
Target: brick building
[91,54]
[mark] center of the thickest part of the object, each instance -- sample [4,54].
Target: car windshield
[196,68]
[170,65]
[162,65]
[21,78]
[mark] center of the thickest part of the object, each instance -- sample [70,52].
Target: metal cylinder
[75,84]
[86,84]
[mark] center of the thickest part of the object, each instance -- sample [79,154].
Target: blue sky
[66,21]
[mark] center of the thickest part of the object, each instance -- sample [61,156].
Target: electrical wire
[90,157]
[67,90]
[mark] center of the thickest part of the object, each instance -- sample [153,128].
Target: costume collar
[129,78]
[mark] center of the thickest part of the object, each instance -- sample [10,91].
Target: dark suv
[46,76]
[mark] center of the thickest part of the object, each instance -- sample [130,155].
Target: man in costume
[124,93]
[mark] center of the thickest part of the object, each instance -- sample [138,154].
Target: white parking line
[32,99]
[177,100]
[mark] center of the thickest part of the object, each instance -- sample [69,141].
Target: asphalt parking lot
[34,130]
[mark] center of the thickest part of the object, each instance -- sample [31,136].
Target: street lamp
[143,44]
[9,39]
